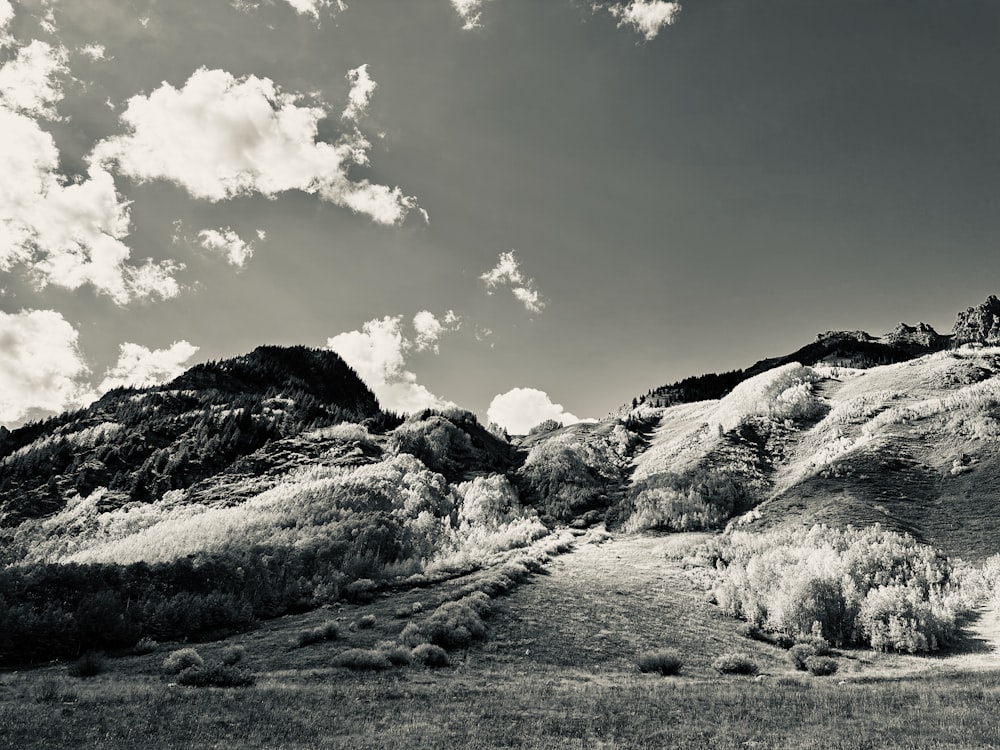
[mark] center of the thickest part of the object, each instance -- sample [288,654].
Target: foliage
[821,666]
[366,622]
[867,586]
[666,661]
[452,625]
[232,655]
[328,631]
[363,659]
[735,664]
[431,655]
[182,659]
[145,646]
[90,664]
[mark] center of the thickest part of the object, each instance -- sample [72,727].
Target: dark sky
[756,173]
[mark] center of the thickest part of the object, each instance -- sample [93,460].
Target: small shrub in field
[361,591]
[821,666]
[398,656]
[182,659]
[781,640]
[452,625]
[90,664]
[431,656]
[665,661]
[365,623]
[51,691]
[232,655]
[217,675]
[735,664]
[363,659]
[820,646]
[145,646]
[748,630]
[328,631]
[798,654]
[412,635]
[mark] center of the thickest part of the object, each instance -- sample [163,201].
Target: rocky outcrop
[919,338]
[980,324]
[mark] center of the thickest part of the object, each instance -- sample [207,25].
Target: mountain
[980,324]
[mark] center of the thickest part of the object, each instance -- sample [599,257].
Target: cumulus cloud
[313,7]
[67,233]
[470,12]
[507,272]
[429,329]
[362,88]
[520,409]
[647,17]
[378,353]
[228,244]
[219,137]
[6,16]
[93,51]
[40,364]
[139,367]
[29,83]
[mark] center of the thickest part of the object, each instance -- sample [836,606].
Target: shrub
[217,675]
[182,659]
[232,655]
[90,664]
[431,656]
[398,656]
[798,654]
[145,646]
[820,646]
[821,666]
[735,664]
[361,591]
[452,625]
[51,691]
[328,631]
[365,623]
[666,661]
[363,659]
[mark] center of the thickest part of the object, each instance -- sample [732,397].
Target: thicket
[868,586]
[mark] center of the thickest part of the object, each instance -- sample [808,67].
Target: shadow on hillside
[967,641]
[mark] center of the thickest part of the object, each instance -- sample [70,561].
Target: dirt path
[601,605]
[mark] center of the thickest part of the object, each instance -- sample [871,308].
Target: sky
[528,209]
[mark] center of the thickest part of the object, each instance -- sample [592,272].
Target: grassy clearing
[558,670]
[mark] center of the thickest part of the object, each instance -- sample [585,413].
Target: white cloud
[40,364]
[378,353]
[507,272]
[6,16]
[67,233]
[520,409]
[228,244]
[470,12]
[93,51]
[311,7]
[647,17]
[429,329]
[362,88]
[140,367]
[219,137]
[28,83]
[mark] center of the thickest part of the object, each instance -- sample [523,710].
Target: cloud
[6,16]
[507,272]
[28,83]
[40,364]
[139,367]
[429,329]
[362,88]
[93,51]
[228,244]
[378,353]
[219,137]
[65,233]
[313,7]
[647,17]
[520,409]
[470,12]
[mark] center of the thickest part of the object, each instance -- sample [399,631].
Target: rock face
[980,324]
[920,336]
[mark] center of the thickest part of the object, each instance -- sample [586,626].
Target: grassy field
[558,670]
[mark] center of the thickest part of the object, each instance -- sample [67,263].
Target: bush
[363,659]
[50,691]
[232,655]
[431,656]
[781,640]
[820,646]
[328,631]
[821,666]
[365,623]
[798,654]
[735,664]
[361,591]
[145,646]
[90,664]
[666,661]
[217,675]
[398,656]
[182,659]
[452,625]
